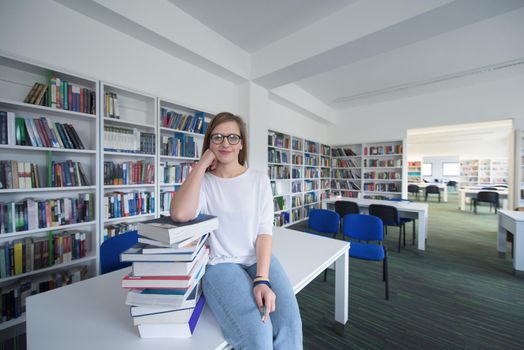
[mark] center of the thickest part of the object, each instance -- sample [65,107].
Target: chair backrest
[413,189]
[452,183]
[344,208]
[487,196]
[324,221]
[432,189]
[388,214]
[110,251]
[364,227]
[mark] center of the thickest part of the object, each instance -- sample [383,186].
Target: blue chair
[111,249]
[325,223]
[367,228]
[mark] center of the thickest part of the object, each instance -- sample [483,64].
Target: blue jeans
[228,289]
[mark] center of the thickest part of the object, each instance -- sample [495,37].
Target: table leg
[446,194]
[501,237]
[341,292]
[518,249]
[422,231]
[462,200]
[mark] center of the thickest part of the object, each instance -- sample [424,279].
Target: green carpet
[459,295]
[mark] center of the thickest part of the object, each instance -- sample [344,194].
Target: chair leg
[404,234]
[385,273]
[414,233]
[399,237]
[325,275]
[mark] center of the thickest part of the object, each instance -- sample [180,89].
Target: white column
[254,109]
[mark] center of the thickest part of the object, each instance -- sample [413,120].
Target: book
[173,330]
[164,315]
[167,282]
[155,247]
[168,231]
[136,253]
[171,268]
[189,303]
[173,298]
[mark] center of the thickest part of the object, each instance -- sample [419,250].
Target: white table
[471,193]
[414,210]
[513,221]
[443,188]
[92,314]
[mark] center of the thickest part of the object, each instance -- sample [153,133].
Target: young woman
[244,285]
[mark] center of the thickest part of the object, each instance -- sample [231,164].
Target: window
[450,169]
[427,169]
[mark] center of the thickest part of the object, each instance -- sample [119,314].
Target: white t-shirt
[244,207]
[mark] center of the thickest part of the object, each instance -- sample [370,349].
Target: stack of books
[169,261]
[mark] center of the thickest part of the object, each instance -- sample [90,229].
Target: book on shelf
[128,140]
[121,204]
[66,174]
[7,128]
[129,173]
[19,175]
[13,296]
[179,145]
[168,231]
[173,330]
[183,122]
[119,228]
[37,132]
[111,107]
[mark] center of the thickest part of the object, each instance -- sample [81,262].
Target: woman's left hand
[265,296]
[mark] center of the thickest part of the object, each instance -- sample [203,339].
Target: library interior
[371,121]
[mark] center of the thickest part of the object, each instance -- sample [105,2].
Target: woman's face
[226,152]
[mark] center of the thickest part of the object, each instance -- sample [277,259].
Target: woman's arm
[264,296]
[185,203]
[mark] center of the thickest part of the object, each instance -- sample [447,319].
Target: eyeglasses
[233,139]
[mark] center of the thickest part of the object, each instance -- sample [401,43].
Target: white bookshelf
[369,170]
[136,113]
[295,167]
[519,169]
[168,112]
[483,172]
[346,170]
[17,78]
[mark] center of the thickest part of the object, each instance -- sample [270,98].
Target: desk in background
[513,221]
[92,314]
[443,188]
[414,210]
[472,193]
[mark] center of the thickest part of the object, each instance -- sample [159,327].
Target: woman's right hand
[208,160]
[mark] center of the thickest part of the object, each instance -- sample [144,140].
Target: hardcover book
[168,231]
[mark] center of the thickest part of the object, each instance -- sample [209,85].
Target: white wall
[470,149]
[495,100]
[45,31]
[437,167]
[293,122]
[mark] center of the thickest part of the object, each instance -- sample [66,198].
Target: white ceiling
[343,53]
[252,24]
[468,141]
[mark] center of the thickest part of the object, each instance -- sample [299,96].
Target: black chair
[390,217]
[414,189]
[486,197]
[452,184]
[344,208]
[432,189]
